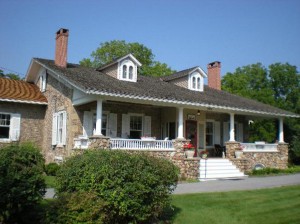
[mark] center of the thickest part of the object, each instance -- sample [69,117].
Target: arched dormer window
[127,71]
[196,81]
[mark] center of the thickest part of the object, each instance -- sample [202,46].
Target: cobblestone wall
[248,160]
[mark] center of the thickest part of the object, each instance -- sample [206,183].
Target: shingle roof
[94,82]
[20,91]
[178,75]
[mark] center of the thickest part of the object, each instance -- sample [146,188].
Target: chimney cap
[62,31]
[214,64]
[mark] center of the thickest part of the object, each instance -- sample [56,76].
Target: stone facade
[59,96]
[111,71]
[248,160]
[32,121]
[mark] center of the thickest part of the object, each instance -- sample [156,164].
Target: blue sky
[181,33]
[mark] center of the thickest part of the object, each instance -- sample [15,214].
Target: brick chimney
[61,48]
[214,75]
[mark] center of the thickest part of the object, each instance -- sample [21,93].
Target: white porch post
[99,118]
[281,134]
[180,122]
[231,132]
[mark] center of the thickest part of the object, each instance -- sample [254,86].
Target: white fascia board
[61,77]
[32,71]
[199,69]
[181,103]
[24,101]
[132,58]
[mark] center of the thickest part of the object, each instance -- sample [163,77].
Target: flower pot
[204,156]
[189,153]
[238,154]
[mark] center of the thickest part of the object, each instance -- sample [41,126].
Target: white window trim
[128,63]
[196,75]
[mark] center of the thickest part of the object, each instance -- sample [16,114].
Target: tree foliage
[109,51]
[135,187]
[9,75]
[279,85]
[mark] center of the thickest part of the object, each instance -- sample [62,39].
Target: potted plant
[189,150]
[204,154]
[238,152]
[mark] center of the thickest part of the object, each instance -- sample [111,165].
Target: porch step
[213,169]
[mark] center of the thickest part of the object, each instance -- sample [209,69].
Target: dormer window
[128,70]
[196,81]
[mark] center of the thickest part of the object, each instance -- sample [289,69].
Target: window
[136,126]
[10,127]
[59,127]
[43,82]
[127,71]
[209,134]
[4,126]
[196,82]
[130,72]
[124,76]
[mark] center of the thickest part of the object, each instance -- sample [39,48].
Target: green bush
[51,169]
[22,185]
[135,187]
[76,207]
[268,171]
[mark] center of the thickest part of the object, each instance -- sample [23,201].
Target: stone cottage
[64,107]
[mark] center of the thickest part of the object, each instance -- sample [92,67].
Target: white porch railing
[140,144]
[259,147]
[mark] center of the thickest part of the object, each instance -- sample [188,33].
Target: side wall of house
[59,96]
[182,82]
[111,71]
[32,121]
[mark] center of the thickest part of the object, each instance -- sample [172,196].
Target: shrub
[76,207]
[135,187]
[51,169]
[22,185]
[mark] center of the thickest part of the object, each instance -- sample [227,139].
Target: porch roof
[91,81]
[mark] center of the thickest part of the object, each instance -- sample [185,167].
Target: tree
[109,51]
[9,75]
[279,85]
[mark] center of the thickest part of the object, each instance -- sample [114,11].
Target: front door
[191,132]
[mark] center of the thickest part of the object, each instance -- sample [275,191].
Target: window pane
[4,132]
[194,83]
[198,83]
[124,71]
[130,72]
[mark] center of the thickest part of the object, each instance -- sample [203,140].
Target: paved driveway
[250,183]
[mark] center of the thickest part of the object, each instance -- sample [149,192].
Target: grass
[277,205]
[50,181]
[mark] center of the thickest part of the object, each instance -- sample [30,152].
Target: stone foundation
[248,160]
[99,142]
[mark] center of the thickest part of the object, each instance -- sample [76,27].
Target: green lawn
[277,205]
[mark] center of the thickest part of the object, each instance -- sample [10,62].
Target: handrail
[140,144]
[259,147]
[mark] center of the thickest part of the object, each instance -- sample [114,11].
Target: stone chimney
[61,48]
[214,75]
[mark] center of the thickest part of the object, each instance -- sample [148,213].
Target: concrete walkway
[250,183]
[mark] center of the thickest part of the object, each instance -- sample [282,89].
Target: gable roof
[153,89]
[117,60]
[182,73]
[20,92]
